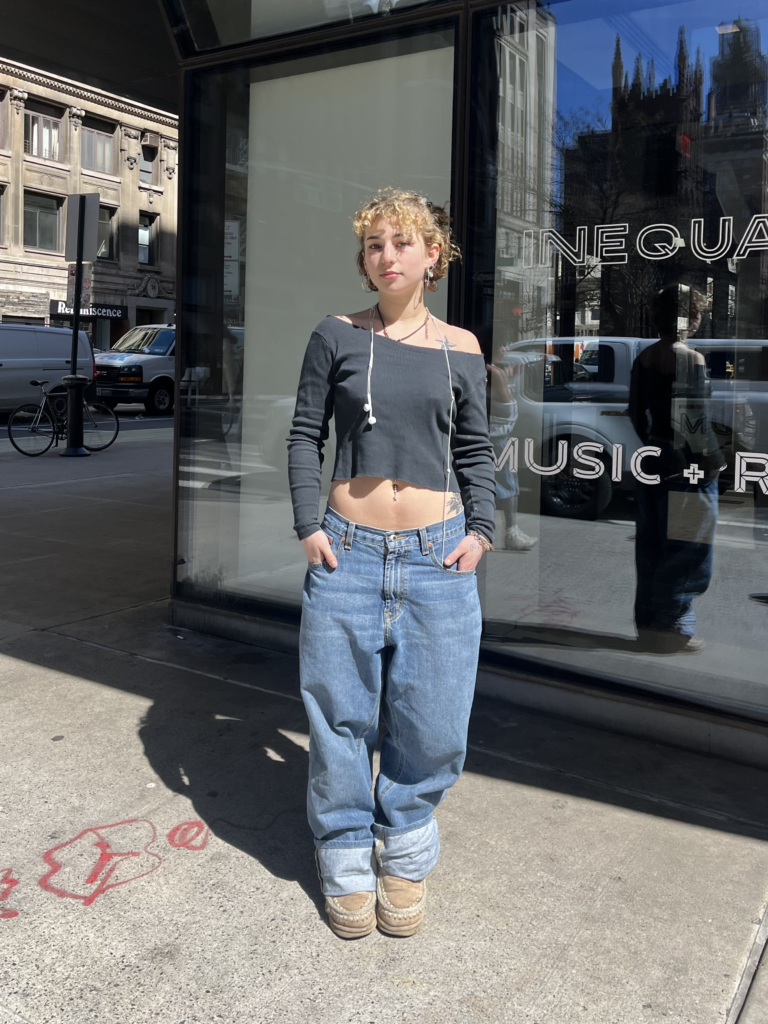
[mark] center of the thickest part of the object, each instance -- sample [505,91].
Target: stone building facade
[59,137]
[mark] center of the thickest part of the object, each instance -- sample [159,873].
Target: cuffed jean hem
[411,854]
[346,869]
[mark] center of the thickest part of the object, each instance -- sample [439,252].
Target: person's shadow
[230,752]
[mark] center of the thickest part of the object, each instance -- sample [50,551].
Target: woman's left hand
[468,553]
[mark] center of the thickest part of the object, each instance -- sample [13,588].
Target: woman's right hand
[318,549]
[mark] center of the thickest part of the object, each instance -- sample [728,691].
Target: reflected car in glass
[569,423]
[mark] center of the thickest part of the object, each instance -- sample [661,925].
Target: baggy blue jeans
[390,634]
[674,559]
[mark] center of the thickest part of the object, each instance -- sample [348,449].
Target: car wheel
[568,497]
[160,399]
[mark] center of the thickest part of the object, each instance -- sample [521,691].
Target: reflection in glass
[616,154]
[215,23]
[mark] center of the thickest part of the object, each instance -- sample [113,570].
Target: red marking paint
[189,835]
[101,858]
[7,884]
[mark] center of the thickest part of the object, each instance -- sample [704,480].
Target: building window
[41,135]
[96,150]
[107,247]
[147,164]
[147,238]
[42,215]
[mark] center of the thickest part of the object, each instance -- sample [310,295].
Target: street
[156,864]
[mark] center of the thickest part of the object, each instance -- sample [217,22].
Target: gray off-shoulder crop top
[407,438]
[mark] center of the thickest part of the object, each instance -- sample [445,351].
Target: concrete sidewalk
[152,810]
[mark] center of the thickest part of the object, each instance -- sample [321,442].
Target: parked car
[140,368]
[37,353]
[552,408]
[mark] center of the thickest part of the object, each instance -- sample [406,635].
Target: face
[395,261]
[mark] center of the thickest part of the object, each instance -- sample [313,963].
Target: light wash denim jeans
[389,634]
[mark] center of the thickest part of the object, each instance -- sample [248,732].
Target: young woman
[391,622]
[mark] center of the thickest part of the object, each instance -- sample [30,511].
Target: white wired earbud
[368,407]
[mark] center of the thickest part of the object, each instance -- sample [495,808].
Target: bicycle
[32,429]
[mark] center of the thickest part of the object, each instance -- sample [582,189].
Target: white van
[37,353]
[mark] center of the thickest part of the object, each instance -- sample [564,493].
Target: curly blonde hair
[408,210]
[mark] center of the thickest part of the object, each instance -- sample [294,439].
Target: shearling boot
[352,916]
[401,903]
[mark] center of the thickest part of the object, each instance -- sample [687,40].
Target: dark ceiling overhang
[124,48]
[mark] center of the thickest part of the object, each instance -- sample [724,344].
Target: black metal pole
[74,383]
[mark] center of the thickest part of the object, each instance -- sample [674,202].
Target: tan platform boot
[401,904]
[352,916]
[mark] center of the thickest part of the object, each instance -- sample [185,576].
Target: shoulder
[459,340]
[361,319]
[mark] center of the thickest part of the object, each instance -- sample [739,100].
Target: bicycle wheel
[31,430]
[100,427]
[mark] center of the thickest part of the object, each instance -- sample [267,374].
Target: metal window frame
[58,121]
[106,135]
[59,207]
[154,219]
[458,14]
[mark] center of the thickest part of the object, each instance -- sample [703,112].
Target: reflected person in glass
[391,621]
[505,377]
[676,509]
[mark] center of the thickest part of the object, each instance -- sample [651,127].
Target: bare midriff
[391,504]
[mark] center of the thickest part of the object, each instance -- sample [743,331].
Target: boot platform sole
[400,929]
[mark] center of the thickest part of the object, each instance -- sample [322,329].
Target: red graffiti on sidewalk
[189,835]
[7,884]
[101,858]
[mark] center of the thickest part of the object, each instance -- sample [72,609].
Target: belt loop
[423,540]
[349,536]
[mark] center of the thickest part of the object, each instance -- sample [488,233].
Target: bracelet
[485,544]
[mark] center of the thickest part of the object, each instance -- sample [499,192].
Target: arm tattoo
[453,502]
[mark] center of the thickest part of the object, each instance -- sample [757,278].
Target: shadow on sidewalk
[233,756]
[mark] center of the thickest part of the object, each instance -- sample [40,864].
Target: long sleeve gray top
[411,403]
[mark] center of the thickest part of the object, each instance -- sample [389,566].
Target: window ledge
[101,175]
[44,252]
[39,161]
[158,190]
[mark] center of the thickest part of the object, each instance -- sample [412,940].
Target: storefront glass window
[288,152]
[618,270]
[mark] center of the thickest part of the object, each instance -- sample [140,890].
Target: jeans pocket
[336,546]
[449,571]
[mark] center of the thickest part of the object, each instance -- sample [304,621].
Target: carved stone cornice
[76,115]
[151,286]
[18,99]
[82,92]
